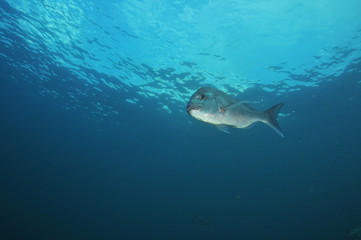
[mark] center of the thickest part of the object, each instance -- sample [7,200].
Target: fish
[213,106]
[198,219]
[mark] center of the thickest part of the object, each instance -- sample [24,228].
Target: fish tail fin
[271,117]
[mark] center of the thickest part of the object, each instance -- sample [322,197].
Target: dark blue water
[79,162]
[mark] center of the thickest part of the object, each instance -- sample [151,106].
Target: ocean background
[96,143]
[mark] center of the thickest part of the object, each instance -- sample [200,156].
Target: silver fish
[213,106]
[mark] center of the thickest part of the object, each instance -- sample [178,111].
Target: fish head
[202,103]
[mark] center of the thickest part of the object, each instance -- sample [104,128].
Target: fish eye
[202,97]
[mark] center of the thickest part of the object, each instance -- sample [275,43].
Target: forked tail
[271,117]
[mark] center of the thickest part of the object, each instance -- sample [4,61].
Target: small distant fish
[213,106]
[198,219]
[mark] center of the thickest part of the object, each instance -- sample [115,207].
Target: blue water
[95,141]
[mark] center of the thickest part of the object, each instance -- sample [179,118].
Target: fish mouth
[189,108]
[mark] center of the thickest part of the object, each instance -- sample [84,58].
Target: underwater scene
[180,119]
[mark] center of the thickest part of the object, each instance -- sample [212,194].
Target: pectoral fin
[223,128]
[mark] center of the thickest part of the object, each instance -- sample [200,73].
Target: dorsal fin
[236,104]
[246,104]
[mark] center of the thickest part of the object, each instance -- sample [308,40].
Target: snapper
[215,107]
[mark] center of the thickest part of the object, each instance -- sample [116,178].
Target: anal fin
[223,128]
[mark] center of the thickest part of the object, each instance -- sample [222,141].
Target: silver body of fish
[213,106]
